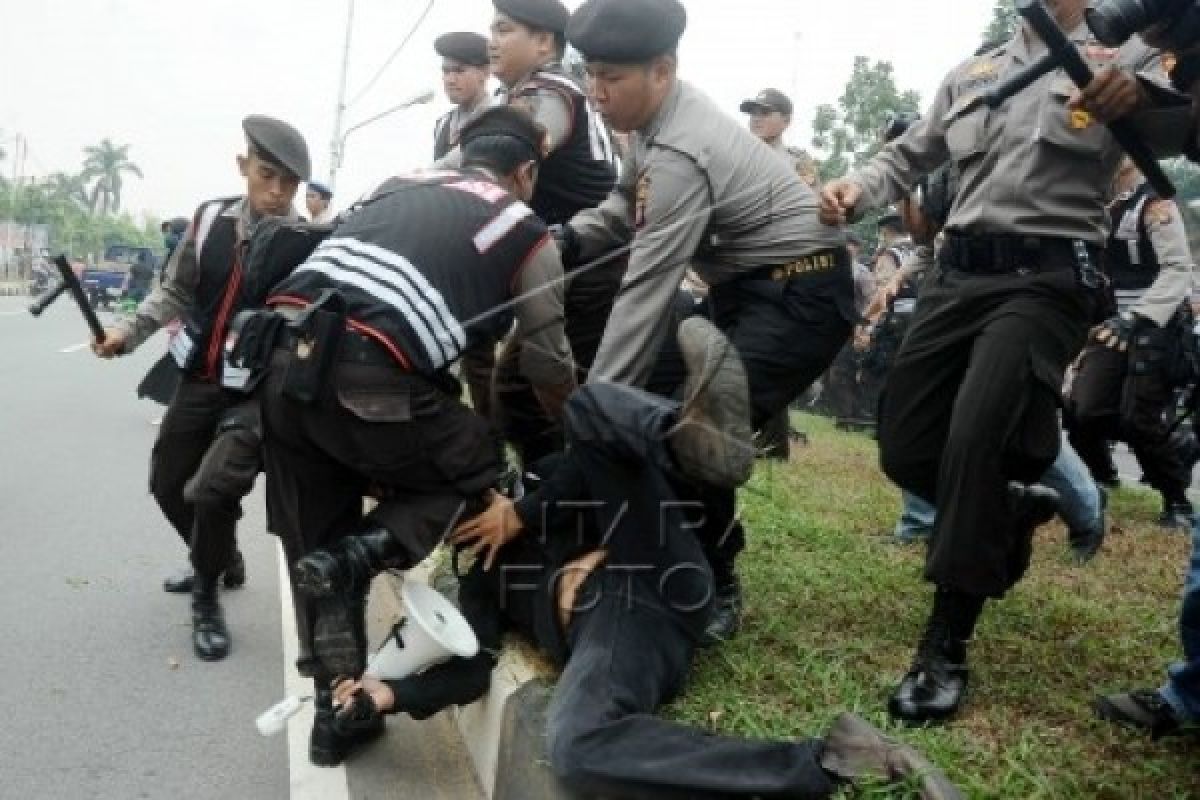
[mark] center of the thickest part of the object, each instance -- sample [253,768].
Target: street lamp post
[339,145]
[337,140]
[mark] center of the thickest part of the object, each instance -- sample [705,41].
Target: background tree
[106,164]
[849,134]
[1003,24]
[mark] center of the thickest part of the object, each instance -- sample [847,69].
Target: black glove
[1117,332]
[568,245]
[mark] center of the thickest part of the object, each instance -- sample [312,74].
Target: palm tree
[106,163]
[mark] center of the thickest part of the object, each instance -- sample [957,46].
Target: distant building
[20,244]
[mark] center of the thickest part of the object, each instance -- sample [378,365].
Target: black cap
[506,121]
[545,15]
[626,31]
[768,100]
[464,47]
[279,143]
[321,189]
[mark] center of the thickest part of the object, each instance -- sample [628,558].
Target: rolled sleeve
[175,293]
[1164,226]
[545,353]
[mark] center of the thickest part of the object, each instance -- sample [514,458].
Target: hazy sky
[173,79]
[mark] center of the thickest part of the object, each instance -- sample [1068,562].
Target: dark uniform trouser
[204,461]
[840,394]
[972,403]
[520,417]
[634,634]
[1107,403]
[787,334]
[375,430]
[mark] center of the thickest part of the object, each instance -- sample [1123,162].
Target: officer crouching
[357,397]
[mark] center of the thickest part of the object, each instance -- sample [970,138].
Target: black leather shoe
[330,744]
[1032,504]
[181,582]
[1145,710]
[210,637]
[934,688]
[726,617]
[347,566]
[235,576]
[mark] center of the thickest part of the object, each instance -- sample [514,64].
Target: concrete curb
[13,290]
[504,732]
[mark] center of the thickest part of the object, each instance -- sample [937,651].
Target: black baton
[46,298]
[71,281]
[1066,55]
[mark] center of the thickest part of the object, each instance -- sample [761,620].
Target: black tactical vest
[215,302]
[427,265]
[582,171]
[1130,257]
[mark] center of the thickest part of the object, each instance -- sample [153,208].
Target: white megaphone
[433,631]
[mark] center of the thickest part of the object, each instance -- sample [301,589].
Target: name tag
[183,349]
[904,305]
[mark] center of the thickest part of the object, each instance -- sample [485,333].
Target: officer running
[969,418]
[206,454]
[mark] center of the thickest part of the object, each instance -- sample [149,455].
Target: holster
[318,334]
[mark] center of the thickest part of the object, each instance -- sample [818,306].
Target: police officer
[359,394]
[527,45]
[969,418]
[699,190]
[1123,385]
[895,247]
[770,116]
[465,75]
[318,200]
[207,450]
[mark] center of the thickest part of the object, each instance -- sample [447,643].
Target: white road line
[307,781]
[75,348]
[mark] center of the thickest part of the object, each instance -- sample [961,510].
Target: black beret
[546,15]
[626,31]
[279,143]
[463,46]
[506,121]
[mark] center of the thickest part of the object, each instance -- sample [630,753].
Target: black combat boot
[726,617]
[330,741]
[935,686]
[210,638]
[348,566]
[182,582]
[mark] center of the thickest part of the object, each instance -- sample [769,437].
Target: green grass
[834,610]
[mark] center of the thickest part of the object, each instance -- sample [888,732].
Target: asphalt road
[103,697]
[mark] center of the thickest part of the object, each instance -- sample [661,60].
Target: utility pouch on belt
[248,348]
[318,331]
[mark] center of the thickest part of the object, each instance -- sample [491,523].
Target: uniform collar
[665,111]
[1021,51]
[553,67]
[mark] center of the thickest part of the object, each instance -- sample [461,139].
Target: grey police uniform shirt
[1168,237]
[1031,167]
[696,189]
[455,120]
[547,108]
[176,292]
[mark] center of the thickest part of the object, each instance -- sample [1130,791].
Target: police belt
[818,262]
[1005,254]
[354,348]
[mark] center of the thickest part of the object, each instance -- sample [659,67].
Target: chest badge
[304,349]
[1079,120]
[642,196]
